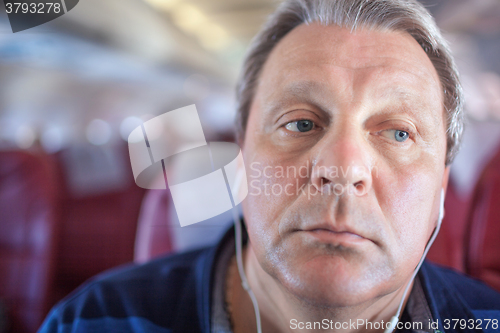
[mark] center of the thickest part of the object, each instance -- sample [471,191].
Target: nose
[343,164]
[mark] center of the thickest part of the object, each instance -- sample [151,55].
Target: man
[350,115]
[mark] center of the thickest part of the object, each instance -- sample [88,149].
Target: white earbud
[441,208]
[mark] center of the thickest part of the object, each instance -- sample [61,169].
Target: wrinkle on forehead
[360,50]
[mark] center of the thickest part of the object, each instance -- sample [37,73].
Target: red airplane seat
[154,234]
[99,211]
[448,248]
[482,258]
[28,232]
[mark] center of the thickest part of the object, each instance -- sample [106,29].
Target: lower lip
[336,238]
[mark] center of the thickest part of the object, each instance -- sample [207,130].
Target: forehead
[334,60]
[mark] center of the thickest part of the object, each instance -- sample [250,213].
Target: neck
[281,311]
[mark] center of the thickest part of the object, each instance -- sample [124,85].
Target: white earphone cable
[239,261]
[395,318]
[238,243]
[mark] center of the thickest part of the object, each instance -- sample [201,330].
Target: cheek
[408,206]
[272,187]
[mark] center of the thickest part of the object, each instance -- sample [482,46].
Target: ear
[446,176]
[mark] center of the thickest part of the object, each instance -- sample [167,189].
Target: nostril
[323,185]
[360,188]
[324,181]
[326,185]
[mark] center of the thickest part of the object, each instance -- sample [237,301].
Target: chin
[338,280]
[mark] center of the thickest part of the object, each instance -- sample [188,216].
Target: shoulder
[153,297]
[453,292]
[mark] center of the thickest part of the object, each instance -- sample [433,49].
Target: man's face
[345,149]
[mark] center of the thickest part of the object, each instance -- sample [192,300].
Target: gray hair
[395,15]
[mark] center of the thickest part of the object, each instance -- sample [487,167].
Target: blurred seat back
[159,231]
[482,259]
[28,231]
[99,209]
[154,234]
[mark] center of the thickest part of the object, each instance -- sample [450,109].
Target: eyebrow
[402,93]
[410,100]
[304,91]
[301,87]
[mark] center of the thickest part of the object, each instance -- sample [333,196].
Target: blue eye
[300,126]
[401,136]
